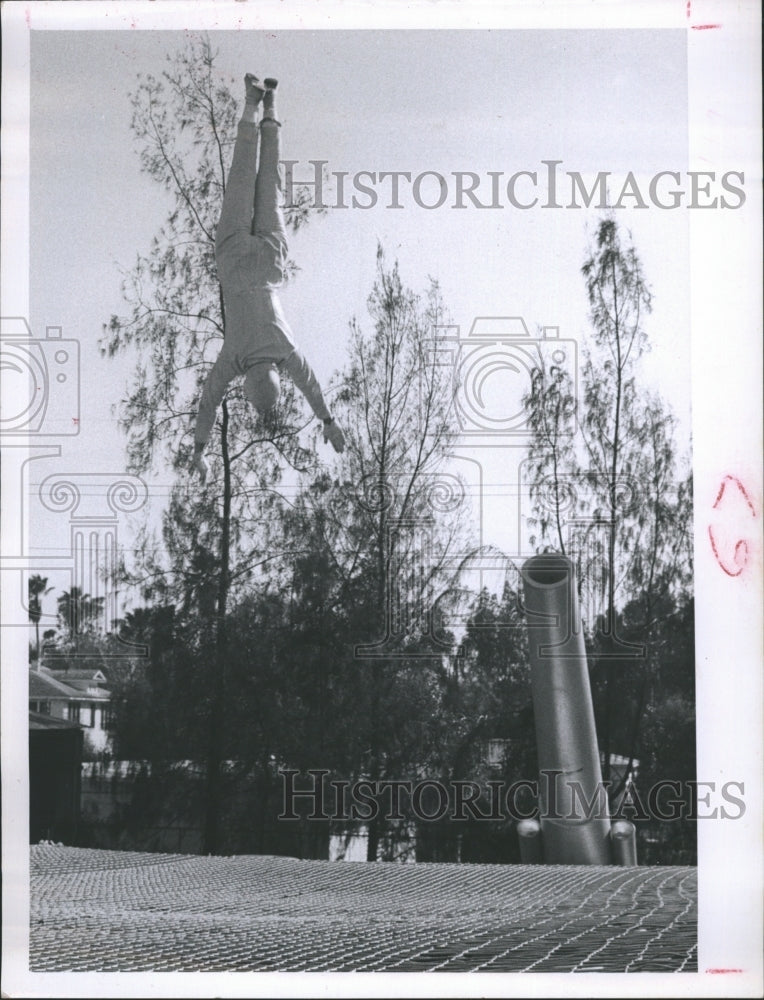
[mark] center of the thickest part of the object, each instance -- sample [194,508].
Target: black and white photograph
[381,499]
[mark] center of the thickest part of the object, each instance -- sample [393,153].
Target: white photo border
[726,267]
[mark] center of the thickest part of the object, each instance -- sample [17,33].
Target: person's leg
[269,216]
[236,214]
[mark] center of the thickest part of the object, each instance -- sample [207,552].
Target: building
[80,697]
[55,762]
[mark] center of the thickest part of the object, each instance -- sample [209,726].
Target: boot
[254,89]
[269,98]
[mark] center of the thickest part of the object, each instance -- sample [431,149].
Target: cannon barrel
[573,808]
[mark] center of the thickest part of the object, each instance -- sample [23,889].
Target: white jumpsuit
[251,256]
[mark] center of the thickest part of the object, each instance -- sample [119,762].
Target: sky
[436,103]
[509,101]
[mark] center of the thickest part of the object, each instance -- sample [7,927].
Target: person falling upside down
[251,256]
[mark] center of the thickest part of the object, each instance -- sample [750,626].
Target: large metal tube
[623,842]
[573,808]
[529,839]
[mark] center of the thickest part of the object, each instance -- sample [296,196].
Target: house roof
[39,721]
[43,686]
[67,676]
[91,688]
[47,688]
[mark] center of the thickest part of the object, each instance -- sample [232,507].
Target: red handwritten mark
[736,481]
[75,420]
[740,551]
[717,972]
[698,27]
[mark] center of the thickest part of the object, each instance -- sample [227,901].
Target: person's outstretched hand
[333,434]
[200,466]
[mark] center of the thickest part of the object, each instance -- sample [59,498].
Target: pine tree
[608,488]
[184,124]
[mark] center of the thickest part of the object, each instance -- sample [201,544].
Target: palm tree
[37,588]
[78,611]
